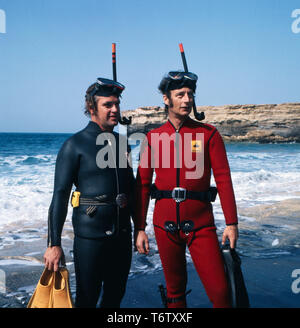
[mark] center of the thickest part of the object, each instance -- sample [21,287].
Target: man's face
[108,112]
[180,102]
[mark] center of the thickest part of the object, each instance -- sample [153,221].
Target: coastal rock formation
[247,123]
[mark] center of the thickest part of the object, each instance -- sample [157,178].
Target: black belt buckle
[170,226]
[179,194]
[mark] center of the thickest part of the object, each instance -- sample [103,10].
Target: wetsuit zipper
[177,170]
[49,232]
[118,185]
[177,176]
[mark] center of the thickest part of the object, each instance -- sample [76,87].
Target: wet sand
[268,283]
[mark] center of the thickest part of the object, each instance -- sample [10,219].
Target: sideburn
[168,94]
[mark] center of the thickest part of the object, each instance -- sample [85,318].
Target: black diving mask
[106,86]
[178,76]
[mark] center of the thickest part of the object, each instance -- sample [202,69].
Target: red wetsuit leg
[172,255]
[208,261]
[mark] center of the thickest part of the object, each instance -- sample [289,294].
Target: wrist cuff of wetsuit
[229,224]
[54,243]
[139,229]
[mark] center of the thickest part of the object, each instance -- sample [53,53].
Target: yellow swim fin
[61,296]
[42,296]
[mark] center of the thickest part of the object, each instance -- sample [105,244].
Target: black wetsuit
[102,243]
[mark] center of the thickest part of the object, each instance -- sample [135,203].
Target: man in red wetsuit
[183,152]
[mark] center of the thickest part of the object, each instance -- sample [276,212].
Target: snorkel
[124,120]
[198,116]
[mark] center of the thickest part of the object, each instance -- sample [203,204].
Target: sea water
[266,180]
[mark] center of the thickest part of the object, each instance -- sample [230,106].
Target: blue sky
[243,52]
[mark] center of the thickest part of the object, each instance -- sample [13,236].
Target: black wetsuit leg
[104,261]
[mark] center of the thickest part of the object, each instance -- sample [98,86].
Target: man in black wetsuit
[93,160]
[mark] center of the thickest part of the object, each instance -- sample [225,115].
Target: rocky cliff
[248,123]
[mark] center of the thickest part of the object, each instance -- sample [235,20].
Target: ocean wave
[263,176]
[250,156]
[274,161]
[34,161]
[259,178]
[15,161]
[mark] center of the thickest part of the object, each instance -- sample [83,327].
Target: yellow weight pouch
[75,199]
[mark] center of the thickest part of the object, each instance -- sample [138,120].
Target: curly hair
[91,98]
[90,102]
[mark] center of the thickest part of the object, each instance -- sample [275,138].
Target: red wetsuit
[202,240]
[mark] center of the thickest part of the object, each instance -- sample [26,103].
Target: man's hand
[52,257]
[142,242]
[231,232]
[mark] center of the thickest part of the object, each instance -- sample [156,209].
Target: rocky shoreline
[269,123]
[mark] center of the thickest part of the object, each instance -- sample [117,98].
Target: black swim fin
[238,291]
[163,295]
